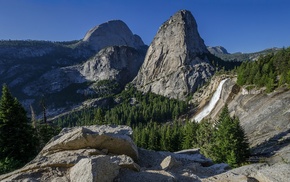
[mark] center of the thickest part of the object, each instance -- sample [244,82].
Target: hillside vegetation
[270,71]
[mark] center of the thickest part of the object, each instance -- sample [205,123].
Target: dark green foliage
[9,164]
[220,64]
[107,88]
[142,108]
[154,136]
[151,117]
[269,71]
[44,133]
[222,141]
[133,108]
[189,134]
[230,144]
[204,137]
[18,143]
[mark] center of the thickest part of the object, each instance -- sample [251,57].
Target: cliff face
[120,63]
[175,64]
[63,73]
[265,120]
[264,117]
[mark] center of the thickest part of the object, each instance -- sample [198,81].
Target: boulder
[146,176]
[104,153]
[169,162]
[89,153]
[97,169]
[116,139]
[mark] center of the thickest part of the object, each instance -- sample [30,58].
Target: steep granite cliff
[175,63]
[120,63]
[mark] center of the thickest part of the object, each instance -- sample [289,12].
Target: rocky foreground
[107,153]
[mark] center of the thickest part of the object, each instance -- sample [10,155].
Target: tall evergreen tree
[230,143]
[17,138]
[204,137]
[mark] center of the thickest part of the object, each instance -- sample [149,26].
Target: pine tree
[17,138]
[204,137]
[230,143]
[189,134]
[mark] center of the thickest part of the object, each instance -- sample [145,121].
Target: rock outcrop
[120,63]
[92,153]
[176,62]
[107,153]
[254,173]
[114,32]
[265,119]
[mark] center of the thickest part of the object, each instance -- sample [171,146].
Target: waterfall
[209,107]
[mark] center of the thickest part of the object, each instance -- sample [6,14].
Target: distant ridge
[112,33]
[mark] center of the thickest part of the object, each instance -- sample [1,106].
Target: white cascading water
[209,107]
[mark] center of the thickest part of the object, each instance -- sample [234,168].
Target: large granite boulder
[88,153]
[116,139]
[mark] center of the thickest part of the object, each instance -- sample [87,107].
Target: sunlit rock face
[176,62]
[114,32]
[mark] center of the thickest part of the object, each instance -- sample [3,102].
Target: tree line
[223,140]
[270,71]
[19,140]
[130,107]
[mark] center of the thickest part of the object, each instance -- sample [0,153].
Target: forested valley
[159,123]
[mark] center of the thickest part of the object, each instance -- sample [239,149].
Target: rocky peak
[217,50]
[175,63]
[112,33]
[192,39]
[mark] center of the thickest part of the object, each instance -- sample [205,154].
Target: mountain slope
[175,64]
[53,72]
[222,53]
[264,116]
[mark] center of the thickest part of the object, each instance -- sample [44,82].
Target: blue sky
[238,25]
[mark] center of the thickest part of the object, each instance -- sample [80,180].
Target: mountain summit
[114,32]
[176,62]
